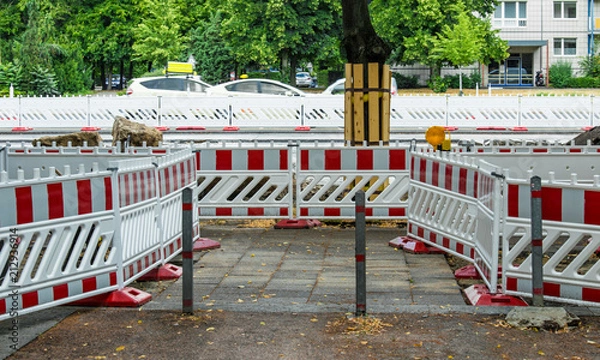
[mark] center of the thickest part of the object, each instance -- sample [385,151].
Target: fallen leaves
[359,325]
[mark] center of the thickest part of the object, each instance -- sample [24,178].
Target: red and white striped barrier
[77,237]
[571,228]
[454,206]
[328,178]
[244,182]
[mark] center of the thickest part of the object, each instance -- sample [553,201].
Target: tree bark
[360,41]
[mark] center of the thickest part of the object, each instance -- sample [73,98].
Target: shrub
[560,74]
[438,84]
[583,82]
[406,81]
[469,81]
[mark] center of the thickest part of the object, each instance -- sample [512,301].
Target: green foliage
[560,74]
[468,81]
[214,58]
[438,84]
[158,38]
[43,82]
[10,74]
[406,81]
[584,82]
[591,66]
[414,29]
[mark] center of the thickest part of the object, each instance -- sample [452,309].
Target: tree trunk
[360,41]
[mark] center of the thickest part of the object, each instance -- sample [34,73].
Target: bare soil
[133,334]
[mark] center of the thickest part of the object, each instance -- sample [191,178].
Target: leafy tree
[414,27]
[280,33]
[214,60]
[462,43]
[158,38]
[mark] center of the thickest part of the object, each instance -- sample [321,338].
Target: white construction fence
[516,113]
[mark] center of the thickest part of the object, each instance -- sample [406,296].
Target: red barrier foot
[297,224]
[164,272]
[190,128]
[479,295]
[399,242]
[419,247]
[470,272]
[231,128]
[450,128]
[162,128]
[204,244]
[21,128]
[90,128]
[302,128]
[126,297]
[520,128]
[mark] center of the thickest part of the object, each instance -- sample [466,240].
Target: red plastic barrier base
[399,242]
[162,128]
[90,128]
[204,244]
[297,224]
[127,297]
[479,295]
[160,273]
[489,128]
[302,128]
[450,128]
[231,128]
[519,128]
[587,128]
[414,246]
[190,128]
[470,272]
[21,128]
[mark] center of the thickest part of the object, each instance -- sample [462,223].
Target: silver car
[168,86]
[303,79]
[337,88]
[254,87]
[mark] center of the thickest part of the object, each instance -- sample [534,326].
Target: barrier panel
[70,237]
[479,112]
[571,238]
[328,178]
[454,205]
[245,182]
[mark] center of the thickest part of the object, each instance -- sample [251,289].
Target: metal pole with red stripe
[359,250]
[187,235]
[537,241]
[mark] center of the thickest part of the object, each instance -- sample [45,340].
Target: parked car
[337,88]
[254,87]
[303,79]
[168,86]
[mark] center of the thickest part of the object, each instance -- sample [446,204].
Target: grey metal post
[359,250]
[187,255]
[536,241]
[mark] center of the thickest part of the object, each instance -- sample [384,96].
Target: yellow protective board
[359,106]
[348,110]
[180,67]
[374,101]
[385,105]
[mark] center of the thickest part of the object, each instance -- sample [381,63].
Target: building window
[565,46]
[565,10]
[510,14]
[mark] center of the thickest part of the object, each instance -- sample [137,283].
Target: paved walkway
[311,270]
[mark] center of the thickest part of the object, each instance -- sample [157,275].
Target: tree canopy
[65,46]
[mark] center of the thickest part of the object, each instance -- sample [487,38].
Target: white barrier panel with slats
[571,238]
[491,112]
[244,182]
[454,204]
[328,178]
[72,236]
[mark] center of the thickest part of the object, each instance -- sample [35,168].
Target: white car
[254,87]
[168,86]
[337,88]
[303,79]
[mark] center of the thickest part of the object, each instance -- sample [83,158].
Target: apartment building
[539,33]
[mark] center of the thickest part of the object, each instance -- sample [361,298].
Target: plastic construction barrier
[85,235]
